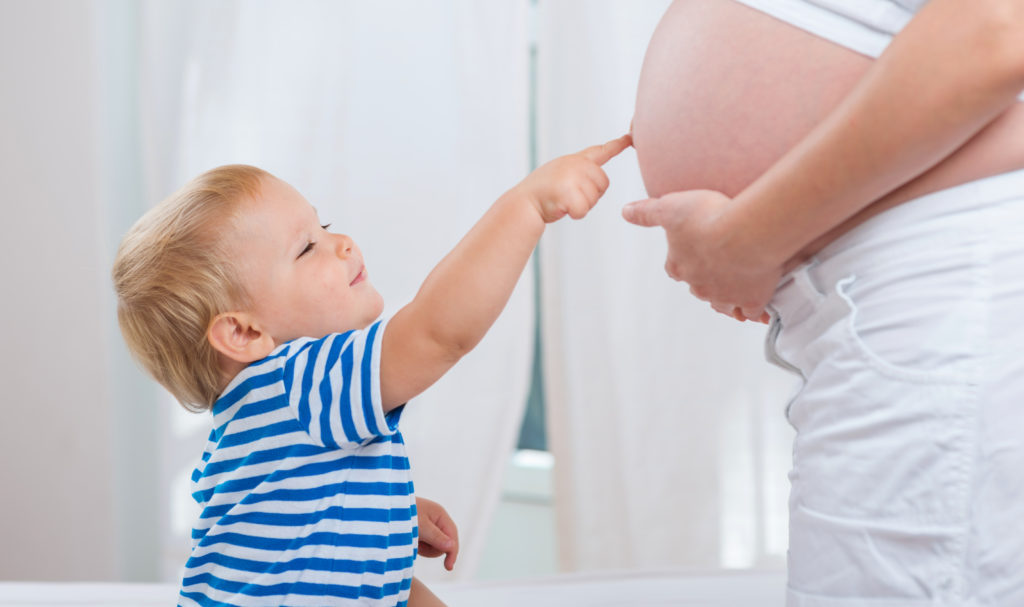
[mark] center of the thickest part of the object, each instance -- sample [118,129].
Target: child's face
[303,280]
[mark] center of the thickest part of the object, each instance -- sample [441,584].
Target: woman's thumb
[642,212]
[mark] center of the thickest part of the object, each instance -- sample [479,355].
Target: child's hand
[438,534]
[571,185]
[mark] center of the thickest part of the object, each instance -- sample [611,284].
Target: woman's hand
[716,261]
[438,533]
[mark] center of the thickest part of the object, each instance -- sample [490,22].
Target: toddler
[236,299]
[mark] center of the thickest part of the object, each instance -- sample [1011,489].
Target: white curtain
[665,422]
[401,121]
[56,511]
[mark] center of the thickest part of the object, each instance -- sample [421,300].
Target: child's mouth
[360,277]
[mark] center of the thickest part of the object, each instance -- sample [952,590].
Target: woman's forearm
[947,75]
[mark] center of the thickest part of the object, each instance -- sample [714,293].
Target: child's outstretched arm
[465,293]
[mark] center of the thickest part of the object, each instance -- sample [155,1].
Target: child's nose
[344,246]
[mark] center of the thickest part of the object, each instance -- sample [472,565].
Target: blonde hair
[172,276]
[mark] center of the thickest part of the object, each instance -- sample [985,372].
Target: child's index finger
[606,151]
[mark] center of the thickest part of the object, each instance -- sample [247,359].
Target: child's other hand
[438,533]
[571,185]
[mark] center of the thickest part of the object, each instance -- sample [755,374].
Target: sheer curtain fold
[665,421]
[400,122]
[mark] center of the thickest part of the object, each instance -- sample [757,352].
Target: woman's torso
[726,90]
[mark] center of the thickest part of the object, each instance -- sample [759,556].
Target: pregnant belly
[725,90]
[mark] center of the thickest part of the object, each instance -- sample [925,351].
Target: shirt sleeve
[333,387]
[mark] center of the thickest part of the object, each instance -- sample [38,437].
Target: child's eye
[309,247]
[325,226]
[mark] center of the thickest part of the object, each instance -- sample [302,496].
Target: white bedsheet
[614,589]
[632,589]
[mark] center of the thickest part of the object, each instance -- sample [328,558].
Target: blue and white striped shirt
[304,485]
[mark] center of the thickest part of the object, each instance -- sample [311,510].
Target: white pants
[908,465]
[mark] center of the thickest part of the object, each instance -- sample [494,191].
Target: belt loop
[805,282]
[796,290]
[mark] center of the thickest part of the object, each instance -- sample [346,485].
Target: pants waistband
[903,231]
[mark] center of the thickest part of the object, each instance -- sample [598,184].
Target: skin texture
[800,140]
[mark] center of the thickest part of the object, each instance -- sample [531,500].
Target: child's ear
[238,337]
